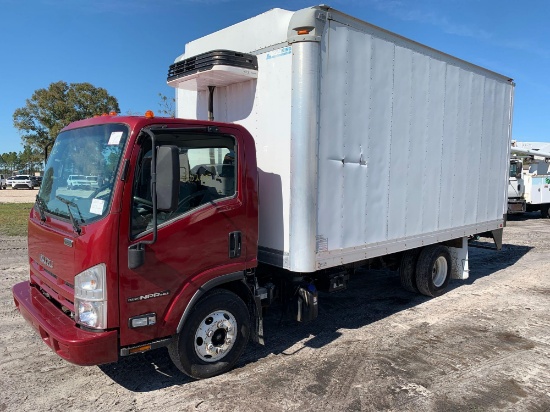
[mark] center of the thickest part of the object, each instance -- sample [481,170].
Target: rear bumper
[60,333]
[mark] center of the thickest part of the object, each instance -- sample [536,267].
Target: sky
[126,46]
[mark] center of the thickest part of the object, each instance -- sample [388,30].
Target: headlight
[90,292]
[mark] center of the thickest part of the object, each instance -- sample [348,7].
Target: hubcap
[439,271]
[215,336]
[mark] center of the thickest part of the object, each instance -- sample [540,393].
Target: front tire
[433,270]
[213,337]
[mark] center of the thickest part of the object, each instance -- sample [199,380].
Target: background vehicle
[529,181]
[92,182]
[23,182]
[77,182]
[332,158]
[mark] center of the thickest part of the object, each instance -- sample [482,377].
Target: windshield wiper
[41,208]
[76,226]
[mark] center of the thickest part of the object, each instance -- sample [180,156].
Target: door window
[208,170]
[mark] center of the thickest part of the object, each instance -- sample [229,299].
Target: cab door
[198,241]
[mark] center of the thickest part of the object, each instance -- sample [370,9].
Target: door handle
[234,245]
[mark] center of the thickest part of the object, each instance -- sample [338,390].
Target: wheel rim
[439,271]
[215,336]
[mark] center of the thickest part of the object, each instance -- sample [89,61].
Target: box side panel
[412,146]
[263,107]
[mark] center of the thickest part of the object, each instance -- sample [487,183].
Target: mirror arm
[136,252]
[153,187]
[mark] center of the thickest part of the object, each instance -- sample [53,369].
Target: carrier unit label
[279,53]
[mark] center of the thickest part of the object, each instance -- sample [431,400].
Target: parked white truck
[529,181]
[336,143]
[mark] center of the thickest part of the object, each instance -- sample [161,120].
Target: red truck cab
[157,254]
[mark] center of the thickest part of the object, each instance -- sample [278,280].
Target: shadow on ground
[372,295]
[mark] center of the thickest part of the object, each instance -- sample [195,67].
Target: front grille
[206,61]
[67,311]
[57,279]
[52,286]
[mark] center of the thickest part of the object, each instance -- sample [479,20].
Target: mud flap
[459,257]
[257,334]
[497,237]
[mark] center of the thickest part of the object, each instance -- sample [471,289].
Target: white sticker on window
[97,206]
[114,139]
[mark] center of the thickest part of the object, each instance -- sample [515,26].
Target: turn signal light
[140,349]
[303,31]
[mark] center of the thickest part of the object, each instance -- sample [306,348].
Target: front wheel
[433,270]
[213,337]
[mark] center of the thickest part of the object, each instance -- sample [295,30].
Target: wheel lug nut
[220,324]
[209,347]
[209,333]
[219,350]
[228,341]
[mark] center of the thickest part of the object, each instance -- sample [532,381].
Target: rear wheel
[213,337]
[433,270]
[407,270]
[545,211]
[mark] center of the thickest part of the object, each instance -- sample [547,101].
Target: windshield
[514,169]
[80,172]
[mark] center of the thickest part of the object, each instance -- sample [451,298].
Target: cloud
[398,9]
[526,46]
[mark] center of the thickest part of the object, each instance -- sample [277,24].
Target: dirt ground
[18,195]
[483,346]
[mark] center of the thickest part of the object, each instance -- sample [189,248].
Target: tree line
[28,161]
[49,110]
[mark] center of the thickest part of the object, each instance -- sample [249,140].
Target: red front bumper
[60,333]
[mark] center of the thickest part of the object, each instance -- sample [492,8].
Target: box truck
[529,181]
[306,144]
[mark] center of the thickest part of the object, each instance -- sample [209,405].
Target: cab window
[208,168]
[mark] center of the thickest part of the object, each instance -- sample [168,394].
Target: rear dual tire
[426,270]
[407,270]
[545,211]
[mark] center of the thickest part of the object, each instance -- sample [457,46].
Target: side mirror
[168,177]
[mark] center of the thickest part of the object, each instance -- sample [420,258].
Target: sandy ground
[18,195]
[483,346]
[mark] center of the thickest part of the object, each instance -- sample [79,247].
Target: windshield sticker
[115,138]
[97,206]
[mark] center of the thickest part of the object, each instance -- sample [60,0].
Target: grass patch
[13,218]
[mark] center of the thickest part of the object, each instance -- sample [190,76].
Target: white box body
[367,143]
